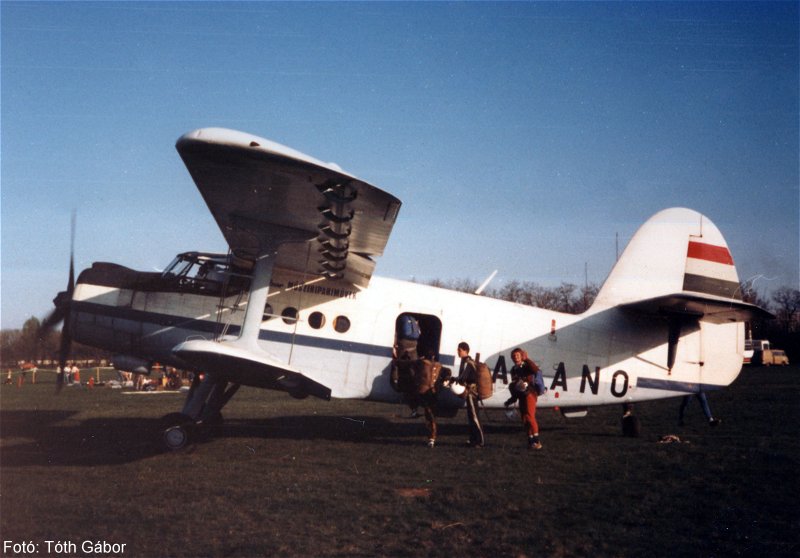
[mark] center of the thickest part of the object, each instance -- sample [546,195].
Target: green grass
[346,478]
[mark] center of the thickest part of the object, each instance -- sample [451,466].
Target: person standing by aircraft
[428,378]
[525,372]
[468,377]
[701,398]
[405,350]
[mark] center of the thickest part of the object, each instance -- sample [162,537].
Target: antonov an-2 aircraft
[294,305]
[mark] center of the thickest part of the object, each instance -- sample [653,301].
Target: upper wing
[256,188]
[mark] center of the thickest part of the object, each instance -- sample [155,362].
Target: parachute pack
[485,385]
[538,383]
[417,376]
[426,375]
[409,328]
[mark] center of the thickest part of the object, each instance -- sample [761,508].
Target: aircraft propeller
[63,304]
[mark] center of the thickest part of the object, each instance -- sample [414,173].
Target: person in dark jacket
[468,377]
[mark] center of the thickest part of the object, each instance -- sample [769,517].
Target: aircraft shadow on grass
[52,438]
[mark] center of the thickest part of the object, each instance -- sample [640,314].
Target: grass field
[302,478]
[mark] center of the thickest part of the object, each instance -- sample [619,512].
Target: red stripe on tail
[708,252]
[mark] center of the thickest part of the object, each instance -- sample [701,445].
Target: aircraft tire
[176,437]
[177,431]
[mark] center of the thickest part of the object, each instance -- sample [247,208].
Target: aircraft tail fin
[678,263]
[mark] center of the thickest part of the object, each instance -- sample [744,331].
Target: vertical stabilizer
[679,252]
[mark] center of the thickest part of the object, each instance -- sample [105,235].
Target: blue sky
[521,137]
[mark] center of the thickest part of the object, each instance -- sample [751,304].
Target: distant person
[8,378]
[34,370]
[701,398]
[75,374]
[525,371]
[468,377]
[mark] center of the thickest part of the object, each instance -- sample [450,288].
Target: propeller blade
[63,302]
[51,320]
[71,283]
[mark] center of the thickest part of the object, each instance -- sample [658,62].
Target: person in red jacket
[525,371]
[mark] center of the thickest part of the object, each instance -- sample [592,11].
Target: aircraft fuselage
[342,336]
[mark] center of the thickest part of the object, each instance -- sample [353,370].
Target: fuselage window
[268,315]
[289,315]
[316,320]
[341,324]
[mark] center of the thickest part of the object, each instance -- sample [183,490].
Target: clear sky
[521,137]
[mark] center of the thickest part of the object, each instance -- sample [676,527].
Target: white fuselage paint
[603,356]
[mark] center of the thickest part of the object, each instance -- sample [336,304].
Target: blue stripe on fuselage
[670,385]
[212,327]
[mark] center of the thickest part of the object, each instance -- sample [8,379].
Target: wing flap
[255,187]
[243,366]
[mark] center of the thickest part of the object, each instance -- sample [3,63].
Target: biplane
[294,305]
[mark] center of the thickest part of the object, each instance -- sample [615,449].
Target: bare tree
[586,298]
[787,302]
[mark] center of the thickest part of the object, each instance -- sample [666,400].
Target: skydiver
[525,372]
[468,377]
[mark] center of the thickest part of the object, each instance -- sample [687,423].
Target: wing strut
[254,312]
[271,238]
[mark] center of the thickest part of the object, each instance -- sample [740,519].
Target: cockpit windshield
[207,272]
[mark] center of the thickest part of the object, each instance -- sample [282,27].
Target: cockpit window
[206,273]
[177,267]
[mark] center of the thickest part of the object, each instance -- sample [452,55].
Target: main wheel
[175,437]
[177,430]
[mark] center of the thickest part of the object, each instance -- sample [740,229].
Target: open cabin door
[428,334]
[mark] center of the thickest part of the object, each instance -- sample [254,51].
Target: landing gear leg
[203,407]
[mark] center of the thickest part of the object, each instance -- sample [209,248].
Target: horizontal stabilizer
[716,310]
[246,367]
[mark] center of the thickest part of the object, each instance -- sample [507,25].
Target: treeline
[32,344]
[783,331]
[567,297]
